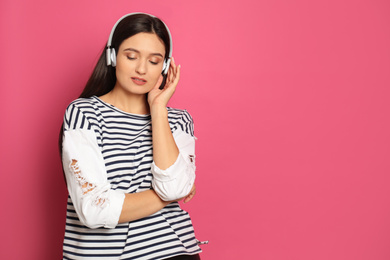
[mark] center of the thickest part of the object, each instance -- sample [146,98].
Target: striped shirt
[108,153]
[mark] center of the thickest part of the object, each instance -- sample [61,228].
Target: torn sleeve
[176,182]
[96,204]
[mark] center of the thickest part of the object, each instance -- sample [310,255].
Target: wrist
[159,111]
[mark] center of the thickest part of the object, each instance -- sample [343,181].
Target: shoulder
[180,119]
[80,111]
[89,107]
[82,103]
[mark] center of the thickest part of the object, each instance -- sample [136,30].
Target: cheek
[122,68]
[155,75]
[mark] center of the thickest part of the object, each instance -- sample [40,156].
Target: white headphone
[111,55]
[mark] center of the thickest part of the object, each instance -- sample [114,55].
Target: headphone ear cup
[166,66]
[113,57]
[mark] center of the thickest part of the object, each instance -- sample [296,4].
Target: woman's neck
[127,102]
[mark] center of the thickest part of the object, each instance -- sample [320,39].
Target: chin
[138,90]
[131,88]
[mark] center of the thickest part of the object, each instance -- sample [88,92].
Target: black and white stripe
[126,144]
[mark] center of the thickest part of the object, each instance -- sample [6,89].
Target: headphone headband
[110,52]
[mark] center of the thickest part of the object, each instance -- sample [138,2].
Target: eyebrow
[137,51]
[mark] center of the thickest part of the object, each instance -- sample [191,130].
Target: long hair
[103,77]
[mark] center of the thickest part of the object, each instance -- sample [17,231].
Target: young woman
[127,158]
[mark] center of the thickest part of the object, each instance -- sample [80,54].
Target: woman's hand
[187,198]
[158,98]
[190,195]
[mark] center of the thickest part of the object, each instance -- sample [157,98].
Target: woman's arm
[140,205]
[173,165]
[95,202]
[165,151]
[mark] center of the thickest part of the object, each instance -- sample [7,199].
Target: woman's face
[139,63]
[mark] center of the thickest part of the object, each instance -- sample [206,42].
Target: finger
[177,75]
[173,63]
[169,77]
[172,71]
[174,68]
[173,77]
[190,196]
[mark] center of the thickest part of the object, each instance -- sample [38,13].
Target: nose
[141,67]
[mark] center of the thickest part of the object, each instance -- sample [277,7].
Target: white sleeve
[176,182]
[96,204]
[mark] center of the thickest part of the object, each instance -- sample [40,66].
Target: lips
[138,81]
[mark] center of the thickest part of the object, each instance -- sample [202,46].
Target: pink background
[291,108]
